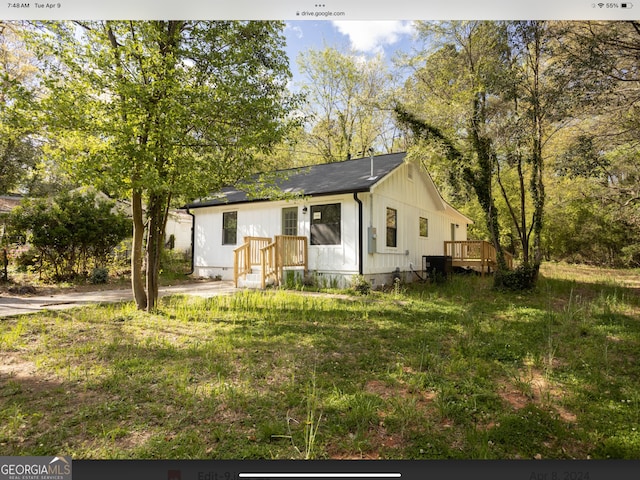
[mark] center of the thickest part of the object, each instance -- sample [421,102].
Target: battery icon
[626,5]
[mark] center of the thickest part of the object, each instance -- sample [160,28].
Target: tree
[602,57]
[19,150]
[161,110]
[348,104]
[490,98]
[448,102]
[538,102]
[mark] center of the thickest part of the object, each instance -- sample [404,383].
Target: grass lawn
[455,370]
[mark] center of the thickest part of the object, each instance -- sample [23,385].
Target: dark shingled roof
[325,179]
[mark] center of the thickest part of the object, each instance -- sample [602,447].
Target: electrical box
[373,235]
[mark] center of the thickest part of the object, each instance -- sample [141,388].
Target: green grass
[454,370]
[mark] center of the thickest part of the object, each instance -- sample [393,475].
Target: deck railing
[241,262]
[269,262]
[271,255]
[247,256]
[475,253]
[292,251]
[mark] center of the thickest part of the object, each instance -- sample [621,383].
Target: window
[290,221]
[392,227]
[424,227]
[229,228]
[325,224]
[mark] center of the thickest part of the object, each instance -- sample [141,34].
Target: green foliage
[69,232]
[594,215]
[26,260]
[175,264]
[347,105]
[523,277]
[584,227]
[360,285]
[19,149]
[162,111]
[139,119]
[582,159]
[99,276]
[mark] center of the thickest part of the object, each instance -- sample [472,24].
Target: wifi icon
[601,5]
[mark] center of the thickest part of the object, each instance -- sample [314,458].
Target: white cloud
[370,36]
[297,31]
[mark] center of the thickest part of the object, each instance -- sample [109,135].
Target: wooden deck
[476,254]
[271,255]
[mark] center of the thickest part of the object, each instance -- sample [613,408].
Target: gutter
[360,239]
[224,203]
[193,244]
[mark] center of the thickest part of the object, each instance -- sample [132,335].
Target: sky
[364,37]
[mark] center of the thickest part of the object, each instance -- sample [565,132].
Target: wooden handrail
[271,255]
[241,262]
[478,252]
[269,263]
[292,250]
[256,243]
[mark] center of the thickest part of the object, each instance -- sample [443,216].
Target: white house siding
[412,199]
[264,219]
[341,258]
[179,225]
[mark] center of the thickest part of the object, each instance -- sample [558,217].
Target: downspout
[193,243]
[360,239]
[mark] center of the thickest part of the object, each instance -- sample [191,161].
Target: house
[178,230]
[373,216]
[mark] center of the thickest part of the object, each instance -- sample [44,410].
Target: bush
[69,233]
[26,260]
[523,277]
[174,264]
[99,276]
[360,285]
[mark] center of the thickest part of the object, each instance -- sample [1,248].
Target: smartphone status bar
[316,10]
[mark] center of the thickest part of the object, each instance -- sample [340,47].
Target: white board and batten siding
[411,193]
[408,190]
[179,225]
[264,219]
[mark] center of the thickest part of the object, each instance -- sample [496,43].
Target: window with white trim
[424,227]
[392,227]
[325,224]
[229,228]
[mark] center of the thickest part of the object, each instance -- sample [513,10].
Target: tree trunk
[137,283]
[537,182]
[154,247]
[481,180]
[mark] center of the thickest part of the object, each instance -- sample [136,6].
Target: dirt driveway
[17,305]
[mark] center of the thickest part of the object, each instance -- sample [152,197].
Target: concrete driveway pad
[18,305]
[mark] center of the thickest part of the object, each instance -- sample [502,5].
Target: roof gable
[324,179]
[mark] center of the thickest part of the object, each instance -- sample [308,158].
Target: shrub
[99,276]
[174,264]
[361,285]
[26,260]
[523,277]
[70,232]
